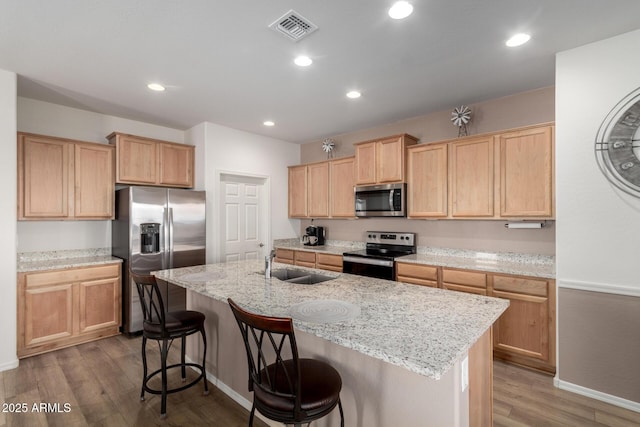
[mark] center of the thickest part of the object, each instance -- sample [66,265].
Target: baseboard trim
[606,288]
[12,364]
[598,395]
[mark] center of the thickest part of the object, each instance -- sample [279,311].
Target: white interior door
[243,219]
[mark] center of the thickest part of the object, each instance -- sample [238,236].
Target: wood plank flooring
[101,383]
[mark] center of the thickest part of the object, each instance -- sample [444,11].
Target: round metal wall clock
[618,145]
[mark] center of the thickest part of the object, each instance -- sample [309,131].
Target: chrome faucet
[268,260]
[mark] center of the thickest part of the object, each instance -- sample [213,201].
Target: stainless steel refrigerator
[155,229]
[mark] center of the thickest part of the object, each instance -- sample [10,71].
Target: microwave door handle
[391,200]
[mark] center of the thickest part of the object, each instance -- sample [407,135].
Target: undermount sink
[299,276]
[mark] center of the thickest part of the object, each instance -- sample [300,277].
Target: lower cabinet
[60,308]
[321,260]
[525,333]
[305,259]
[284,256]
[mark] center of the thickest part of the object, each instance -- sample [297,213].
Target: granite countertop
[422,329]
[58,260]
[532,265]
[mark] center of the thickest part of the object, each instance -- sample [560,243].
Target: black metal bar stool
[292,390]
[164,327]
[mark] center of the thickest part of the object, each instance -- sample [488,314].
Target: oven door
[370,267]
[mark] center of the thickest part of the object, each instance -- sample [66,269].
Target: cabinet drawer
[307,259]
[329,262]
[467,289]
[467,278]
[284,256]
[520,285]
[72,275]
[417,271]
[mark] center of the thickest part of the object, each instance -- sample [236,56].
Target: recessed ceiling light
[156,86]
[268,123]
[400,10]
[353,94]
[303,61]
[518,39]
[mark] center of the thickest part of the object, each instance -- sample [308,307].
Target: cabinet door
[524,328]
[176,165]
[137,160]
[342,178]
[471,177]
[427,181]
[48,314]
[45,167]
[390,156]
[318,190]
[99,304]
[94,181]
[298,191]
[366,163]
[526,173]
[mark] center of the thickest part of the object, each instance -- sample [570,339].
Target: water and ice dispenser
[150,238]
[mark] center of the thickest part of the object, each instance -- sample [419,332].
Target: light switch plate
[464,376]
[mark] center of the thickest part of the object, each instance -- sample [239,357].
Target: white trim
[9,365]
[598,395]
[606,288]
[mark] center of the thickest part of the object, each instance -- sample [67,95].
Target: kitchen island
[401,349]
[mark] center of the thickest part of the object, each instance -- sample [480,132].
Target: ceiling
[221,63]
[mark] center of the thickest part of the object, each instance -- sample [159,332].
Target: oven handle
[369,261]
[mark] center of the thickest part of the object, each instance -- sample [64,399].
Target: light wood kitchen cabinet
[417,274]
[427,172]
[318,190]
[382,161]
[298,191]
[285,256]
[331,262]
[64,179]
[342,181]
[305,259]
[471,177]
[60,308]
[464,281]
[147,161]
[525,333]
[526,173]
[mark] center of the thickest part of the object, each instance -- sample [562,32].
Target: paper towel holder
[526,224]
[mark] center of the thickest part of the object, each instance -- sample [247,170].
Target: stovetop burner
[385,245]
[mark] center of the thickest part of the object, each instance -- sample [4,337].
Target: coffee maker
[314,236]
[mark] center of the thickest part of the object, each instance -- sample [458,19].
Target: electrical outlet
[464,375]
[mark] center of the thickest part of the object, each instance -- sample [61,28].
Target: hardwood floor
[100,382]
[525,398]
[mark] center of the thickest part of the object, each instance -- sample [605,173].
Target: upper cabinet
[322,190]
[382,161]
[526,172]
[64,179]
[427,180]
[492,176]
[471,177]
[149,161]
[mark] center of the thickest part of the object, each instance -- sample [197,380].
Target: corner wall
[598,229]
[8,171]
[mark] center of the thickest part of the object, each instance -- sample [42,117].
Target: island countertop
[422,329]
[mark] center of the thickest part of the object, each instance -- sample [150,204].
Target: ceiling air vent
[293,25]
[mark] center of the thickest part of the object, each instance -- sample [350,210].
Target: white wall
[8,357]
[232,151]
[56,120]
[598,229]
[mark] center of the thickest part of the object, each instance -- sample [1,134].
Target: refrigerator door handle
[165,238]
[170,227]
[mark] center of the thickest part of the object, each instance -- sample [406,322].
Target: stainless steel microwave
[381,200]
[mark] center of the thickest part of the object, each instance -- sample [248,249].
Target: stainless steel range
[378,259]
